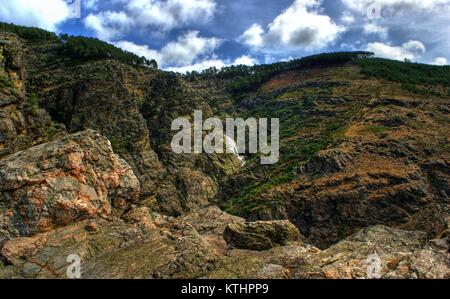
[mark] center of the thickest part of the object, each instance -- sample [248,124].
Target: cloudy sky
[185,35]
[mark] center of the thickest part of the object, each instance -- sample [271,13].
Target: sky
[186,35]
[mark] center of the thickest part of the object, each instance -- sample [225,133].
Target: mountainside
[86,166]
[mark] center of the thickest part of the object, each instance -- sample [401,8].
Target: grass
[33,102]
[6,82]
[411,114]
[373,129]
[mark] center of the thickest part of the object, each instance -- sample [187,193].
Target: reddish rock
[91,226]
[57,183]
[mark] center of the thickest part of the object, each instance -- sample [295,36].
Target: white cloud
[140,14]
[189,53]
[424,20]
[439,61]
[171,13]
[253,36]
[347,18]
[182,52]
[411,50]
[393,7]
[108,25]
[46,14]
[299,26]
[90,4]
[245,60]
[371,28]
[214,62]
[140,50]
[187,48]
[199,66]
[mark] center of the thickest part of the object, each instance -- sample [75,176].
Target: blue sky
[185,35]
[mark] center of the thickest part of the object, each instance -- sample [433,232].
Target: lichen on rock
[261,235]
[57,183]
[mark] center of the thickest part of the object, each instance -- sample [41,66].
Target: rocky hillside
[86,168]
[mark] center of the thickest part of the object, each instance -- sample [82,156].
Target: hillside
[86,166]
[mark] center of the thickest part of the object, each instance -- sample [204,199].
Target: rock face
[261,235]
[22,122]
[63,181]
[349,159]
[134,109]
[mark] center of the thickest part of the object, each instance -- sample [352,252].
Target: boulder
[261,235]
[67,180]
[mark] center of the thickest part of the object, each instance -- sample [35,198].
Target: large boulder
[63,181]
[261,235]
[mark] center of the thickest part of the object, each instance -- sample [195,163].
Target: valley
[87,167]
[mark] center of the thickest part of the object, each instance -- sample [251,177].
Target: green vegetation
[373,129]
[342,231]
[34,102]
[50,132]
[80,47]
[30,33]
[245,202]
[411,114]
[249,78]
[5,82]
[409,73]
[414,77]
[309,123]
[120,145]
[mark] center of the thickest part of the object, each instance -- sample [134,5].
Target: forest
[79,47]
[249,78]
[413,76]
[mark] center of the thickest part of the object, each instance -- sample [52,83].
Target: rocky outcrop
[328,161]
[22,122]
[177,249]
[364,180]
[389,253]
[12,59]
[134,108]
[129,248]
[261,235]
[64,181]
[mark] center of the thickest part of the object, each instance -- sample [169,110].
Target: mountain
[87,169]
